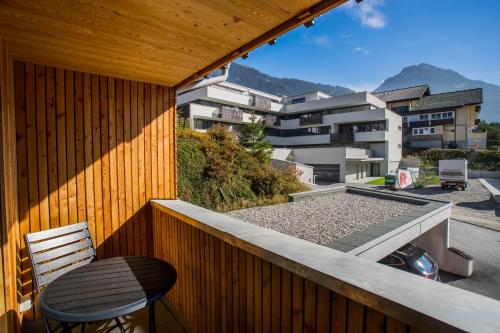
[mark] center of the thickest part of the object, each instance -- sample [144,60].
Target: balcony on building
[311,119]
[361,132]
[271,120]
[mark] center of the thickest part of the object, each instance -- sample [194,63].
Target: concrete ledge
[387,195]
[483,223]
[483,174]
[309,195]
[421,303]
[493,185]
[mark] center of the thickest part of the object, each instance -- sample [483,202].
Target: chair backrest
[56,251]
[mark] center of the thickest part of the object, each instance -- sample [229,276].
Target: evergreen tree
[253,139]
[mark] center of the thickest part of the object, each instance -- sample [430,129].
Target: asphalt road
[484,246]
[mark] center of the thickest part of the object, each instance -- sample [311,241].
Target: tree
[253,139]
[493,130]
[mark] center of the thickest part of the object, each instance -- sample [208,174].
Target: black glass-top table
[107,289]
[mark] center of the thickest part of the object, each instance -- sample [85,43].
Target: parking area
[475,202]
[484,246]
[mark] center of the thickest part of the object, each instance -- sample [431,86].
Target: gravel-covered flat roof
[324,219]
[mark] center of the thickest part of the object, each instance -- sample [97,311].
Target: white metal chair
[57,251]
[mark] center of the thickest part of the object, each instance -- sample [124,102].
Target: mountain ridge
[446,80]
[252,78]
[440,80]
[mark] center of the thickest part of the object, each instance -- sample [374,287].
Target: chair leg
[152,321]
[46,325]
[66,328]
[119,324]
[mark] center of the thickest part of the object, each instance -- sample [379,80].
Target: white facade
[347,137]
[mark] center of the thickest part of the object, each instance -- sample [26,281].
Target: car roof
[410,250]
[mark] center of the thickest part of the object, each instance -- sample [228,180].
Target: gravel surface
[325,219]
[474,202]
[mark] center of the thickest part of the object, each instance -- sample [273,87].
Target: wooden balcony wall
[84,147]
[223,287]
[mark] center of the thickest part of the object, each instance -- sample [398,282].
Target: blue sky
[360,45]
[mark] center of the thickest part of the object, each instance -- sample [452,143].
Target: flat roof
[402,94]
[325,219]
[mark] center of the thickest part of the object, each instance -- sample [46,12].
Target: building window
[405,119]
[204,124]
[400,109]
[298,100]
[424,131]
[322,130]
[424,117]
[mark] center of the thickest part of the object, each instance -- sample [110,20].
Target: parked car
[413,259]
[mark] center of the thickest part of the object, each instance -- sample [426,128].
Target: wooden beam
[8,194]
[281,29]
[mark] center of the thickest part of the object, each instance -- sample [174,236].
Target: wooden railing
[237,277]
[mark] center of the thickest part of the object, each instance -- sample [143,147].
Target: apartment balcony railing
[261,102]
[271,120]
[314,119]
[229,113]
[425,137]
[377,153]
[431,122]
[238,277]
[342,138]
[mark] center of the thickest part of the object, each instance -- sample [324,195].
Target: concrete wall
[305,172]
[356,170]
[336,102]
[394,139]
[435,241]
[356,116]
[477,138]
[326,155]
[426,144]
[299,140]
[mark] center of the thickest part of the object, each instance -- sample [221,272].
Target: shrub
[478,160]
[216,172]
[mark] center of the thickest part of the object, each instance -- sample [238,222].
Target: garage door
[327,172]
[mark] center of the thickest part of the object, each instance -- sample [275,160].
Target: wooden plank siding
[223,288]
[85,151]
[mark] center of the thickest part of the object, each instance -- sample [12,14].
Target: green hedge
[477,160]
[216,172]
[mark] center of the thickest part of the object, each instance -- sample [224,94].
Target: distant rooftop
[450,99]
[402,93]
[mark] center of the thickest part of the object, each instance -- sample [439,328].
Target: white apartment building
[343,137]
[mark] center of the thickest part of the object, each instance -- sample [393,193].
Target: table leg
[152,322]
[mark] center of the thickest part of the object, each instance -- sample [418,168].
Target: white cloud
[368,12]
[363,50]
[363,86]
[346,35]
[320,40]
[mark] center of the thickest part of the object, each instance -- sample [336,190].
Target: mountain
[443,80]
[252,78]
